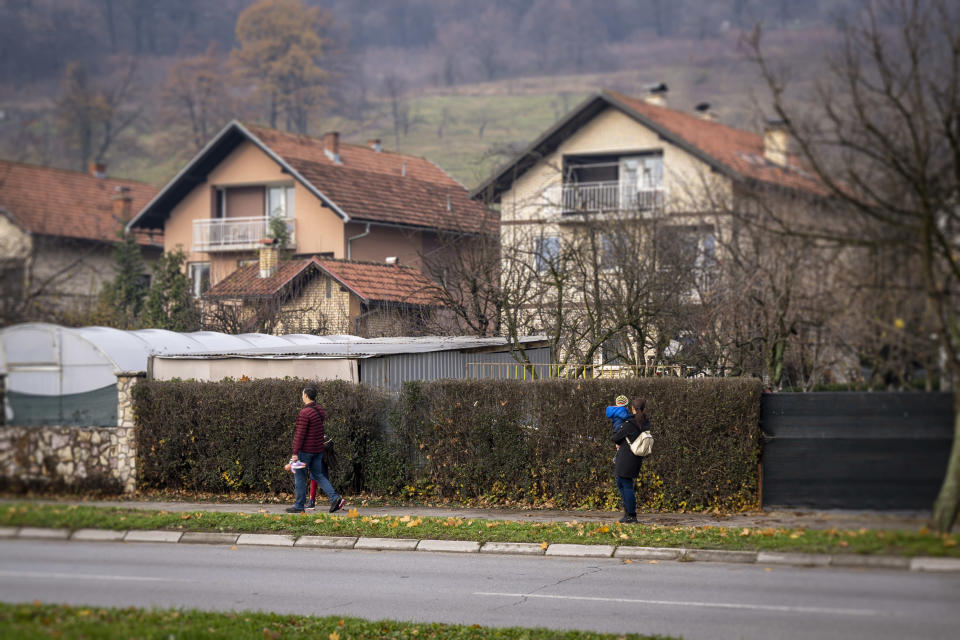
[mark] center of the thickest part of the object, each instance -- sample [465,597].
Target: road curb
[326,542]
[98,535]
[386,544]
[449,546]
[846,561]
[793,559]
[518,548]
[648,553]
[153,536]
[935,564]
[266,539]
[853,561]
[191,537]
[43,534]
[581,550]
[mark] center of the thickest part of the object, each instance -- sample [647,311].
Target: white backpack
[642,446]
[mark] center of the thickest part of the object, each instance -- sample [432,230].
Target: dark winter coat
[308,435]
[625,464]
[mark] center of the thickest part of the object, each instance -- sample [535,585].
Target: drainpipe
[366,232]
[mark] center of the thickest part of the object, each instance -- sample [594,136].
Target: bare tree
[93,117]
[885,144]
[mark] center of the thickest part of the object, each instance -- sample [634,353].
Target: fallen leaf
[654,562]
[544,545]
[628,561]
[234,548]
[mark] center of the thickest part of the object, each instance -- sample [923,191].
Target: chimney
[403,169]
[704,113]
[392,260]
[374,143]
[97,169]
[776,142]
[656,94]
[331,145]
[122,201]
[268,257]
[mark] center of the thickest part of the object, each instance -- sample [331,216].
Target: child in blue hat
[619,411]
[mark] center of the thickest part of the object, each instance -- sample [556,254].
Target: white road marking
[83,576]
[682,603]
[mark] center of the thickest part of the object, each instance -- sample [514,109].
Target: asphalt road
[694,600]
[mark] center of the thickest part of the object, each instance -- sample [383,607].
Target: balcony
[235,234]
[594,197]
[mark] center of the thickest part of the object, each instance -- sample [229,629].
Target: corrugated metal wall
[391,371]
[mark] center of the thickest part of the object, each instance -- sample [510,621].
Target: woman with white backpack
[626,464]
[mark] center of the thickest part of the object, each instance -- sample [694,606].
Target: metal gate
[855,450]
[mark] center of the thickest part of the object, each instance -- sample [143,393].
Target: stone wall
[81,458]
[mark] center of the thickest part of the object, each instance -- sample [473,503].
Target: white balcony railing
[587,197]
[235,234]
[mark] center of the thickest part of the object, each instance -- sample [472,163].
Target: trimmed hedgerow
[543,443]
[236,435]
[548,442]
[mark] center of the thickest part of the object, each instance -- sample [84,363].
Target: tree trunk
[948,500]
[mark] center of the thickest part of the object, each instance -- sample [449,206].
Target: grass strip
[58,621]
[864,541]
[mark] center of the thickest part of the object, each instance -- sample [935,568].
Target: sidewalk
[762,519]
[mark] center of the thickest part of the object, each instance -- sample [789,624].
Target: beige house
[320,296]
[336,200]
[616,162]
[58,230]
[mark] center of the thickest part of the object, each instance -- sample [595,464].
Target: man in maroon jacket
[308,448]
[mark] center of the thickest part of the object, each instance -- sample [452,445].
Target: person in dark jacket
[308,448]
[626,466]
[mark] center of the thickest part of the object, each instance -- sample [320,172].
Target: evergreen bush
[544,443]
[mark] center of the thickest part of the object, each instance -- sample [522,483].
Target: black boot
[630,518]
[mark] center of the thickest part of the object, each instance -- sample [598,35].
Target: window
[608,251]
[546,248]
[280,202]
[199,277]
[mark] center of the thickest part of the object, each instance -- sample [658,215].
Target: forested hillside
[142,84]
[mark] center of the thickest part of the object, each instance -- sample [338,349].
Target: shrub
[549,441]
[541,443]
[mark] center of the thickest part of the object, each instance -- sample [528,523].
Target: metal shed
[67,376]
[379,362]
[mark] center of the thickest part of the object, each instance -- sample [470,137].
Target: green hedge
[543,443]
[236,435]
[548,442]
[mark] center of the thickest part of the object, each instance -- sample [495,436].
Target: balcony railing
[234,234]
[589,197]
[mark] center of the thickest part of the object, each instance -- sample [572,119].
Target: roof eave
[184,174]
[588,109]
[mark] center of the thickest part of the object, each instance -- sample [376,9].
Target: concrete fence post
[125,469]
[3,399]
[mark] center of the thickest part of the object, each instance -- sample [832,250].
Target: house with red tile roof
[335,200]
[57,233]
[617,162]
[321,295]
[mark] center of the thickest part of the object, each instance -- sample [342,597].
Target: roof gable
[371,282]
[365,185]
[730,151]
[66,204]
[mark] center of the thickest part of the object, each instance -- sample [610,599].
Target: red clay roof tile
[371,282]
[739,150]
[69,204]
[381,186]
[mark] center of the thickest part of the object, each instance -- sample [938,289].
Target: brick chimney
[97,169]
[656,94]
[374,143]
[331,145]
[122,201]
[776,142]
[268,257]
